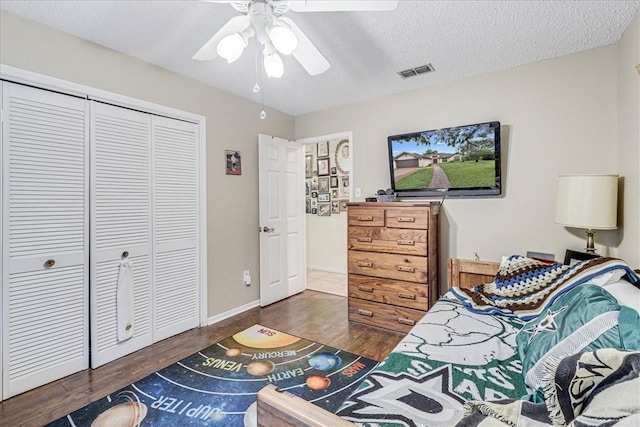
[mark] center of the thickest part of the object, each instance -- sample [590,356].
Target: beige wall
[232,123]
[558,116]
[629,139]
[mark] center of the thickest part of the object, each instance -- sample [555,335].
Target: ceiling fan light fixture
[283,39]
[231,47]
[273,65]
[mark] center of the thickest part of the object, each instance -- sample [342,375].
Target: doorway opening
[328,189]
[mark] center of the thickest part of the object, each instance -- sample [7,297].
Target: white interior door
[282,226]
[121,222]
[44,237]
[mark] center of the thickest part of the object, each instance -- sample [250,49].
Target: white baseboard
[222,316]
[329,269]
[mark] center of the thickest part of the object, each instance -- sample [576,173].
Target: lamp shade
[588,201]
[273,65]
[231,47]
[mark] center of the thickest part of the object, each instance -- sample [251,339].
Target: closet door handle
[406,242]
[364,264]
[406,269]
[365,239]
[49,263]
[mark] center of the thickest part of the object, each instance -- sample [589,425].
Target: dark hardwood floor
[312,315]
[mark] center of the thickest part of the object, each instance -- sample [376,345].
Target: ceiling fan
[264,20]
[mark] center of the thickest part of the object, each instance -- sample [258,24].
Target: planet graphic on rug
[251,416]
[234,352]
[128,414]
[260,368]
[318,382]
[259,336]
[325,361]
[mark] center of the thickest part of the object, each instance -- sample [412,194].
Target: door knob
[268,230]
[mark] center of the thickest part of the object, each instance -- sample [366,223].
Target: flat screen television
[458,161]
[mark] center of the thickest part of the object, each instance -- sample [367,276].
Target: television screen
[461,161]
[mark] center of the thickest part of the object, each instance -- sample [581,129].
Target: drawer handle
[406,269]
[365,288]
[49,263]
[406,219]
[365,239]
[406,296]
[406,321]
[365,218]
[365,264]
[365,312]
[406,242]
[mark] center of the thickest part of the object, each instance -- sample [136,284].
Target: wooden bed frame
[283,409]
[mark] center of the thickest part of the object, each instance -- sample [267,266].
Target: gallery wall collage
[327,177]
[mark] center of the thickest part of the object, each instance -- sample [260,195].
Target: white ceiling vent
[411,72]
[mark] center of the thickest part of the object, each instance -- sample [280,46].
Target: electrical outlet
[358,192]
[246,277]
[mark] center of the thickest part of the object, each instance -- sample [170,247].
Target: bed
[501,348]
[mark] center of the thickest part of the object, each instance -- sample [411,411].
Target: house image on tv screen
[461,157]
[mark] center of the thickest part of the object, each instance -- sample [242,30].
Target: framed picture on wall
[308,165]
[233,165]
[344,186]
[335,207]
[323,185]
[334,182]
[323,149]
[324,197]
[324,209]
[323,167]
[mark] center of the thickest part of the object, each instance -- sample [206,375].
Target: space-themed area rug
[216,386]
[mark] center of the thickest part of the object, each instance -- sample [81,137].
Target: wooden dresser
[392,262]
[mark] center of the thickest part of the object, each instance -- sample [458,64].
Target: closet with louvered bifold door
[145,209]
[45,247]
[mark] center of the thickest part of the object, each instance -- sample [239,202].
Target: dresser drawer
[408,218]
[394,240]
[385,316]
[404,294]
[365,217]
[409,268]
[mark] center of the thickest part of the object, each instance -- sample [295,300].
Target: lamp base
[590,249]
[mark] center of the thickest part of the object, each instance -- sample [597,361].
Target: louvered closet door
[121,222]
[176,230]
[44,237]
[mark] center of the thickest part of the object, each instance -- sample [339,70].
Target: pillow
[584,319]
[608,277]
[625,293]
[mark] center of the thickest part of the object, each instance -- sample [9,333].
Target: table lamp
[588,201]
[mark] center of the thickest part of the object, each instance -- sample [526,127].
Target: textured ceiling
[365,49]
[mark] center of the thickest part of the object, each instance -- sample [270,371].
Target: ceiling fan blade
[208,51]
[239,5]
[341,5]
[306,53]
